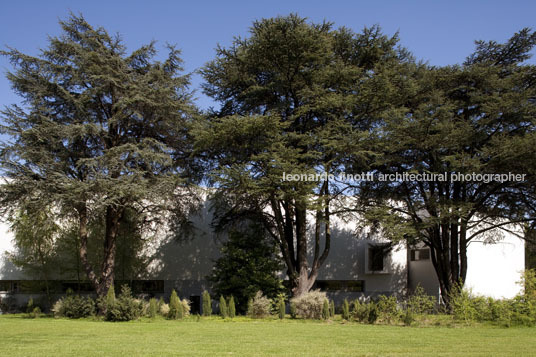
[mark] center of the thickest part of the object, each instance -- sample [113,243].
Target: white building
[351,270]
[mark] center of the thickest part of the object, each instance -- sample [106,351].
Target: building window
[377,254]
[340,285]
[420,254]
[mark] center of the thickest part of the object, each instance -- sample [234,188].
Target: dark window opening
[420,254]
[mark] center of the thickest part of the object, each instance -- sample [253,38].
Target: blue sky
[441,32]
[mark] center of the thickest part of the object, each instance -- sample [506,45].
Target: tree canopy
[99,132]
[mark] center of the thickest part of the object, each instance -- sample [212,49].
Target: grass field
[20,336]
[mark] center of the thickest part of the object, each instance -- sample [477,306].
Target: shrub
[207,304]
[387,308]
[281,307]
[373,313]
[420,303]
[461,305]
[332,309]
[164,309]
[365,312]
[345,310]
[29,306]
[35,313]
[176,310]
[224,312]
[310,305]
[153,308]
[125,307]
[325,310]
[231,307]
[259,306]
[74,307]
[185,307]
[293,312]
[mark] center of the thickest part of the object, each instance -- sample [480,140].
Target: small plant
[176,310]
[310,305]
[74,307]
[152,311]
[30,306]
[260,306]
[293,312]
[345,310]
[332,309]
[325,310]
[373,313]
[164,309]
[387,308]
[125,308]
[35,313]
[232,308]
[207,304]
[281,307]
[419,302]
[224,312]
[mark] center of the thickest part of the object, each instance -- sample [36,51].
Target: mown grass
[20,336]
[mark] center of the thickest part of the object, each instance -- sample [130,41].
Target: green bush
[420,303]
[152,311]
[387,308]
[224,312]
[293,312]
[332,308]
[345,310]
[74,307]
[30,306]
[176,309]
[231,307]
[35,313]
[207,304]
[310,305]
[281,307]
[124,308]
[365,312]
[259,306]
[325,310]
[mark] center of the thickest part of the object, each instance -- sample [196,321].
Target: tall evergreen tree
[294,95]
[100,132]
[479,117]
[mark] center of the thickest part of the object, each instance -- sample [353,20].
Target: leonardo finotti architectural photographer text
[407,176]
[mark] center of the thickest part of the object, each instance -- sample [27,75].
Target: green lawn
[20,336]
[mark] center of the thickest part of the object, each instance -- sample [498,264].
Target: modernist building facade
[357,266]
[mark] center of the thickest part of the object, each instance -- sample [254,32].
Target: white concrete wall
[495,268]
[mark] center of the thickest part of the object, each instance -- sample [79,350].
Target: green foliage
[281,307]
[224,311]
[74,307]
[152,311]
[259,306]
[332,308]
[29,306]
[35,313]
[232,308]
[125,307]
[419,302]
[325,310]
[365,312]
[310,305]
[110,296]
[293,310]
[176,309]
[101,132]
[248,263]
[345,310]
[207,304]
[387,308]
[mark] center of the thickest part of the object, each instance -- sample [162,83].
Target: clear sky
[440,32]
